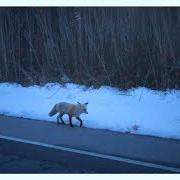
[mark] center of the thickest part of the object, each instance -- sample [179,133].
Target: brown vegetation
[122,47]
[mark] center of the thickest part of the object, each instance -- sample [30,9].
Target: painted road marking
[109,157]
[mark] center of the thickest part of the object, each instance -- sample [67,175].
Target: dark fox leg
[81,122]
[60,117]
[70,121]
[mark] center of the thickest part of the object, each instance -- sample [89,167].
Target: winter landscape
[140,110]
[123,61]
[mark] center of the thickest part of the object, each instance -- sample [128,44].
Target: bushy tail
[53,111]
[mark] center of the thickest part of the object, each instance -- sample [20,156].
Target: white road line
[109,157]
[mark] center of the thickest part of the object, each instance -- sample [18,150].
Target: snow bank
[140,110]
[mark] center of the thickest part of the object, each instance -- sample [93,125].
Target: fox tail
[53,111]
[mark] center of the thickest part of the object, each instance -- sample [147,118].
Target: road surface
[18,164]
[83,150]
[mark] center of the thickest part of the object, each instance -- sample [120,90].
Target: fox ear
[78,102]
[86,103]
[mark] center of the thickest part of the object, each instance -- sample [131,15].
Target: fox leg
[58,120]
[81,122]
[60,117]
[70,121]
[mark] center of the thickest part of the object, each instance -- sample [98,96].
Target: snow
[139,111]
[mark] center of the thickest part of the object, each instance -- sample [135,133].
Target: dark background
[117,46]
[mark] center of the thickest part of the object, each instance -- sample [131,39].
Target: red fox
[72,110]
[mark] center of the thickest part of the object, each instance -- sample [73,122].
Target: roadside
[141,148]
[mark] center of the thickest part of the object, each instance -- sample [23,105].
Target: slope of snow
[139,111]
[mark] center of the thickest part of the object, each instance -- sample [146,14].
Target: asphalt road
[19,164]
[40,144]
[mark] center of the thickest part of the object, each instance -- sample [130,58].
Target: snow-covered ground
[140,110]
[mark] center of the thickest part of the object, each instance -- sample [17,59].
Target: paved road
[18,164]
[37,159]
[140,148]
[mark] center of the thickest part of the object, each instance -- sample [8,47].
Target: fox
[72,110]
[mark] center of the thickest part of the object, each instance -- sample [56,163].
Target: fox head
[83,107]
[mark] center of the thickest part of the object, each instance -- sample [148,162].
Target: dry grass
[122,47]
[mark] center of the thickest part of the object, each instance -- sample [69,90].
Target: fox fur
[72,110]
